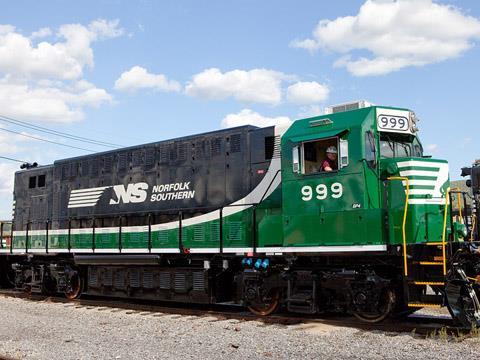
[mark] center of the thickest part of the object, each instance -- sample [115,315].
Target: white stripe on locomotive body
[106,251]
[439,171]
[420,182]
[418,163]
[82,205]
[85,197]
[101,188]
[58,251]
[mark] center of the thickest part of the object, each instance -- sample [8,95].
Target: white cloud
[43,80]
[397,33]
[310,92]
[310,111]
[433,148]
[139,78]
[257,85]
[41,33]
[20,57]
[249,117]
[6,177]
[56,104]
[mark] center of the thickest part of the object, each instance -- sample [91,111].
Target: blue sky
[419,54]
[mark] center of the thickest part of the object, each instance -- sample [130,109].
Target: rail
[405,211]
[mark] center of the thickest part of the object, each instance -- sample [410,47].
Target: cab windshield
[396,146]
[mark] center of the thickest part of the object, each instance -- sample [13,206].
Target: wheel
[74,287]
[463,303]
[378,310]
[27,289]
[268,305]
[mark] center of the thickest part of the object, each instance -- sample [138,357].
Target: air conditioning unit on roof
[354,105]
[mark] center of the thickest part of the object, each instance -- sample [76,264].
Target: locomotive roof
[243,128]
[333,123]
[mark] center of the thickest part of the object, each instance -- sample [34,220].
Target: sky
[132,72]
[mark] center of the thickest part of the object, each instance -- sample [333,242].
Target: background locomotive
[247,215]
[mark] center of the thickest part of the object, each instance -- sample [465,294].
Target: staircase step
[431,263]
[434,283]
[421,305]
[434,243]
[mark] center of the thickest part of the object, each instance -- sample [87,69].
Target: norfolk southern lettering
[132,193]
[174,191]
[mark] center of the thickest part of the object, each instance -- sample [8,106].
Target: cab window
[320,156]
[396,147]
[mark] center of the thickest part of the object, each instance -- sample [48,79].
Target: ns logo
[133,193]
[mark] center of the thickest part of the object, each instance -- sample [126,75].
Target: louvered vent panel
[122,161]
[199,281]
[163,154]
[108,277]
[235,143]
[215,231]
[134,278]
[107,164]
[137,158]
[119,279]
[180,282]
[198,232]
[148,280]
[149,158]
[277,147]
[165,280]
[216,146]
[182,152]
[92,277]
[235,231]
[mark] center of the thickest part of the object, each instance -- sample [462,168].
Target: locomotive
[250,216]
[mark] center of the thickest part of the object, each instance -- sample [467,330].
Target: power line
[12,159]
[57,133]
[45,140]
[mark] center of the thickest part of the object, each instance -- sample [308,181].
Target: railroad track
[418,324]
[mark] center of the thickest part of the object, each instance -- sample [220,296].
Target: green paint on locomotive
[353,207]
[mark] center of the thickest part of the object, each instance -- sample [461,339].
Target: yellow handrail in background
[444,233]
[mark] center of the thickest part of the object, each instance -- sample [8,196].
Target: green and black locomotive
[340,212]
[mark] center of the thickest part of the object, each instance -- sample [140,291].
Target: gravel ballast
[45,330]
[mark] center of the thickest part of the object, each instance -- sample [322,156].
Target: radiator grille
[180,282]
[199,281]
[119,279]
[92,278]
[235,143]
[134,278]
[148,280]
[165,282]
[235,231]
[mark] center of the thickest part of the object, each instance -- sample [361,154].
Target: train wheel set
[337,213]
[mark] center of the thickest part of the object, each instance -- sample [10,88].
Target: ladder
[425,265]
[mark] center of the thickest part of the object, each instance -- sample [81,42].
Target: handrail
[474,225]
[444,232]
[458,191]
[405,211]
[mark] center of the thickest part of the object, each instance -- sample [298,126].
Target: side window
[32,182]
[41,181]
[370,149]
[320,156]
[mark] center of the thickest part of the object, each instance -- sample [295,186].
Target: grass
[458,335]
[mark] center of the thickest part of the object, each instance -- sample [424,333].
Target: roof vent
[354,105]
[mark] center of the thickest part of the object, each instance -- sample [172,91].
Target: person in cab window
[330,163]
